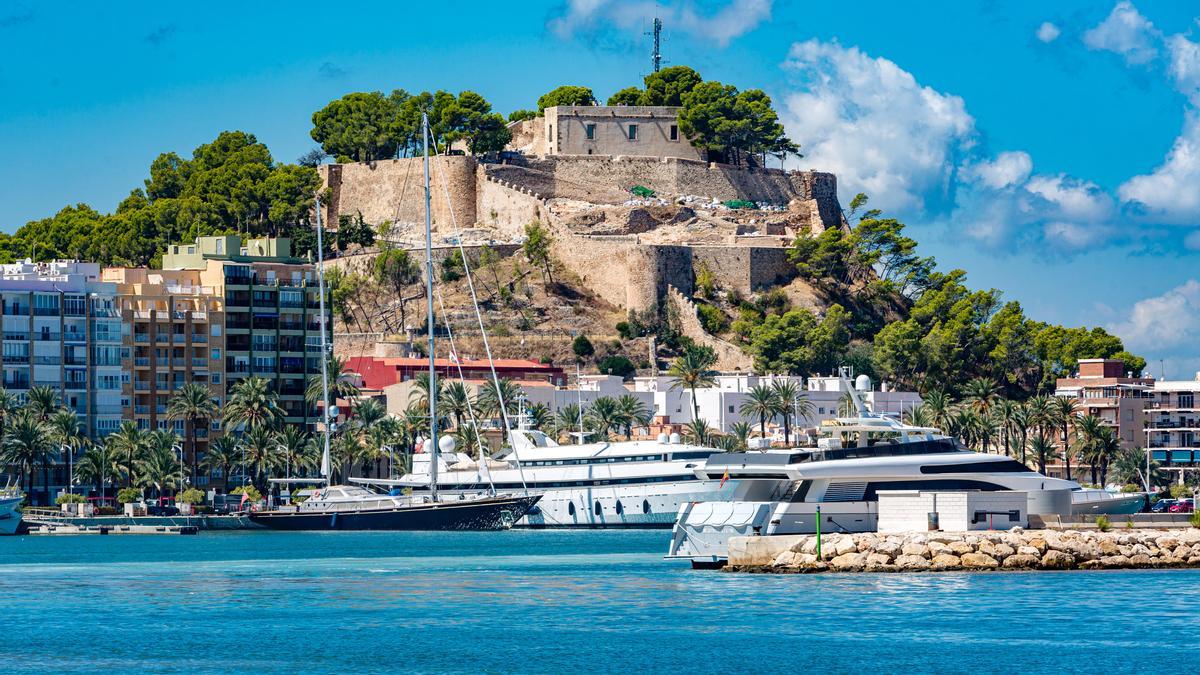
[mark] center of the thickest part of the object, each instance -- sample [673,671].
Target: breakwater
[1015,549]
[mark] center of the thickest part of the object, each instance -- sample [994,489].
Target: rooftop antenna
[656,56]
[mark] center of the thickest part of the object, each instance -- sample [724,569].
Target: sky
[1051,150]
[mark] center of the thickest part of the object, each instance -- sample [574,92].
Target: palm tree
[761,403]
[252,404]
[341,384]
[567,420]
[27,444]
[345,451]
[368,413]
[158,466]
[1006,414]
[192,402]
[65,432]
[9,406]
[1040,418]
[741,431]
[222,454]
[1065,410]
[420,392]
[791,401]
[937,405]
[455,401]
[1021,424]
[603,415]
[292,441]
[539,415]
[1041,448]
[631,412]
[918,417]
[128,442]
[981,392]
[1089,433]
[260,449]
[693,370]
[42,401]
[98,464]
[697,432]
[490,398]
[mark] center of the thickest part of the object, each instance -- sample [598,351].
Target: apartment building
[1104,388]
[1172,425]
[221,310]
[61,329]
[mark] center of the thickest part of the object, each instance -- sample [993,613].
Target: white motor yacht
[780,491]
[594,485]
[10,510]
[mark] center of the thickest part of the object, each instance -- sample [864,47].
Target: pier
[66,529]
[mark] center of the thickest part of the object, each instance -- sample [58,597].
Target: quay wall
[1015,549]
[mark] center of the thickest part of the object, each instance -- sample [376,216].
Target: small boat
[10,510]
[354,507]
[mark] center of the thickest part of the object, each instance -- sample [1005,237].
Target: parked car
[1162,506]
[1183,506]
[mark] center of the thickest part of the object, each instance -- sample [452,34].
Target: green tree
[128,443]
[565,95]
[724,121]
[26,445]
[223,454]
[252,404]
[693,370]
[791,401]
[582,347]
[1065,411]
[626,96]
[99,465]
[158,467]
[761,402]
[358,127]
[192,403]
[537,248]
[669,86]
[522,115]
[603,415]
[632,412]
[796,342]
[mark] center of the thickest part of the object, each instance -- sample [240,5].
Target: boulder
[888,547]
[1194,560]
[918,550]
[1182,552]
[876,559]
[987,547]
[866,543]
[1140,560]
[803,559]
[1115,561]
[785,559]
[1108,547]
[912,563]
[1057,560]
[882,568]
[844,545]
[979,561]
[1037,543]
[960,548]
[946,561]
[1166,542]
[942,538]
[1091,565]
[999,551]
[1029,550]
[1168,561]
[849,562]
[1139,549]
[1021,561]
[809,545]
[937,548]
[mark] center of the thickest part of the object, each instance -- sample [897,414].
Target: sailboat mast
[433,389]
[324,345]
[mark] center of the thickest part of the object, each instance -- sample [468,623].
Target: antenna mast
[656,56]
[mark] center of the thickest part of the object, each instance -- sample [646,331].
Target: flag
[723,479]
[245,498]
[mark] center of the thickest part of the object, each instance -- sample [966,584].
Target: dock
[62,529]
[36,519]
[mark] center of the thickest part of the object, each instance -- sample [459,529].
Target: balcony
[76,385]
[145,410]
[199,363]
[200,338]
[141,337]
[162,339]
[139,385]
[22,359]
[46,336]
[47,360]
[16,337]
[141,361]
[74,337]
[179,338]
[16,384]
[179,362]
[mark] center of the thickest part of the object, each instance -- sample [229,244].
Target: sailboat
[356,507]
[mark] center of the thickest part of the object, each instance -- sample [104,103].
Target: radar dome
[674,438]
[662,438]
[862,383]
[446,444]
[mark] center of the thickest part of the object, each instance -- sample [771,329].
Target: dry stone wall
[729,356]
[392,191]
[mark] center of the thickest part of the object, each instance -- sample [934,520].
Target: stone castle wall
[729,356]
[392,190]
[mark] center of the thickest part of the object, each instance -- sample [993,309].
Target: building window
[589,131]
[1187,400]
[674,132]
[730,410]
[633,132]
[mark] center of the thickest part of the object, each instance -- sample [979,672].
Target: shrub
[624,330]
[706,283]
[1181,491]
[1195,519]
[190,496]
[1103,523]
[713,319]
[68,498]
[616,365]
[1130,487]
[249,490]
[582,347]
[1129,524]
[129,495]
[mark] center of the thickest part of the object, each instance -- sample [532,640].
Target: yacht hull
[499,513]
[1110,505]
[10,515]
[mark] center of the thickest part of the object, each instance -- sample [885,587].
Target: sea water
[554,601]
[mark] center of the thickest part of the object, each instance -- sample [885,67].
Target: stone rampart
[729,356]
[391,190]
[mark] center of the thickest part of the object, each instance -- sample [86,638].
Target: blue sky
[1050,149]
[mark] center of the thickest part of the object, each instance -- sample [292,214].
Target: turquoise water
[546,601]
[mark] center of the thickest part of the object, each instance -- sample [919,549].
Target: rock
[1000,551]
[875,559]
[867,543]
[888,547]
[1037,543]
[1029,550]
[1194,560]
[1140,560]
[844,545]
[809,545]
[1166,542]
[960,548]
[849,562]
[937,548]
[1021,561]
[1091,565]
[1182,552]
[1057,560]
[979,561]
[912,563]
[785,559]
[803,559]
[1108,547]
[1115,561]
[986,547]
[882,568]
[917,550]
[1168,561]
[946,561]
[942,538]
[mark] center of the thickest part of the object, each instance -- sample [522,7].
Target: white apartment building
[1172,425]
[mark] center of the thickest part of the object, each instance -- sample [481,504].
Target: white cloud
[733,20]
[870,122]
[1171,193]
[1073,198]
[1048,32]
[1009,168]
[1163,322]
[1125,32]
[1183,57]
